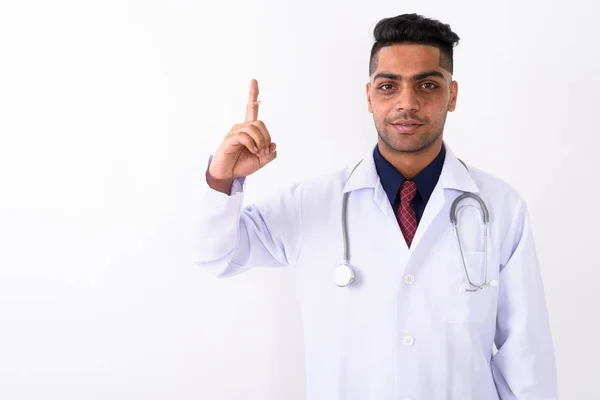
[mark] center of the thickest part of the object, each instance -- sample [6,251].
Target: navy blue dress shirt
[392,179]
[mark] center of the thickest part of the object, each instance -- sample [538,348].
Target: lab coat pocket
[464,306]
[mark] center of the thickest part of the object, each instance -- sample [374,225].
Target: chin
[411,143]
[407,144]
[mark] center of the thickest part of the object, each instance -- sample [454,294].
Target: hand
[245,149]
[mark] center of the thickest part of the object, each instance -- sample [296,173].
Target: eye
[386,85]
[431,85]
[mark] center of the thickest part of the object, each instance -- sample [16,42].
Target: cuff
[238,184]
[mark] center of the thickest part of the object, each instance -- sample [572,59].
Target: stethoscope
[344,274]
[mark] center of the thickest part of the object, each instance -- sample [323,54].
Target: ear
[369,97]
[453,96]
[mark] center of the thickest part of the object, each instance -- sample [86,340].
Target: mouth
[406,128]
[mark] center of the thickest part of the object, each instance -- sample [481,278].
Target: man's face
[396,92]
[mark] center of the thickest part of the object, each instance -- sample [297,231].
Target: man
[422,317]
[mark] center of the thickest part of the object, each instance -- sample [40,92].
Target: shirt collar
[392,179]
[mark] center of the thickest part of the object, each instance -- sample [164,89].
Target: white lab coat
[402,329]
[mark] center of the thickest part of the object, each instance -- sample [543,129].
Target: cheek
[435,109]
[379,113]
[380,107]
[438,115]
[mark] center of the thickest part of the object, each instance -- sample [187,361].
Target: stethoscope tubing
[344,274]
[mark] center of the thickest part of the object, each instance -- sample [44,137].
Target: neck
[410,163]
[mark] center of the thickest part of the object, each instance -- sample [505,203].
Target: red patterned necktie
[406,214]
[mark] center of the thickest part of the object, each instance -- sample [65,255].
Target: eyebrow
[417,77]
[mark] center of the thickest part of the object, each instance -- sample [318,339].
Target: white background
[109,108]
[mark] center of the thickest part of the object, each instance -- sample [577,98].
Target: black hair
[417,29]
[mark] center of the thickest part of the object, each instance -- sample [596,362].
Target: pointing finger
[252,107]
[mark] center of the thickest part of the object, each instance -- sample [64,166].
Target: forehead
[409,58]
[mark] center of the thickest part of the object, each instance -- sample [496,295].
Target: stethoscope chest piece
[344,275]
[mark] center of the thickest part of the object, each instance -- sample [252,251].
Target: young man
[422,316]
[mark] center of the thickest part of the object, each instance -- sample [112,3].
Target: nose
[407,99]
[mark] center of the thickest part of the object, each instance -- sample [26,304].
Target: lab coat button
[409,279]
[408,340]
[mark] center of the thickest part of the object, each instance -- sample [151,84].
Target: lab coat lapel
[454,177]
[434,205]
[365,176]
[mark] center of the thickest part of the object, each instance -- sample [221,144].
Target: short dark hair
[414,28]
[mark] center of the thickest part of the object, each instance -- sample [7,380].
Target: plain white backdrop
[108,110]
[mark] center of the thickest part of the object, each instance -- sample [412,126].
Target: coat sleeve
[524,366]
[230,238]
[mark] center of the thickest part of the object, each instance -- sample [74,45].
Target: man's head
[410,72]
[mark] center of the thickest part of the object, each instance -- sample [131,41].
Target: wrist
[221,185]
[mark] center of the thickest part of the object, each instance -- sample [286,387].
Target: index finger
[252,107]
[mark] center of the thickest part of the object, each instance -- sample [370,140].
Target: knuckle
[242,136]
[251,129]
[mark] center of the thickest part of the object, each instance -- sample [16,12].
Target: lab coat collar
[364,175]
[453,176]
